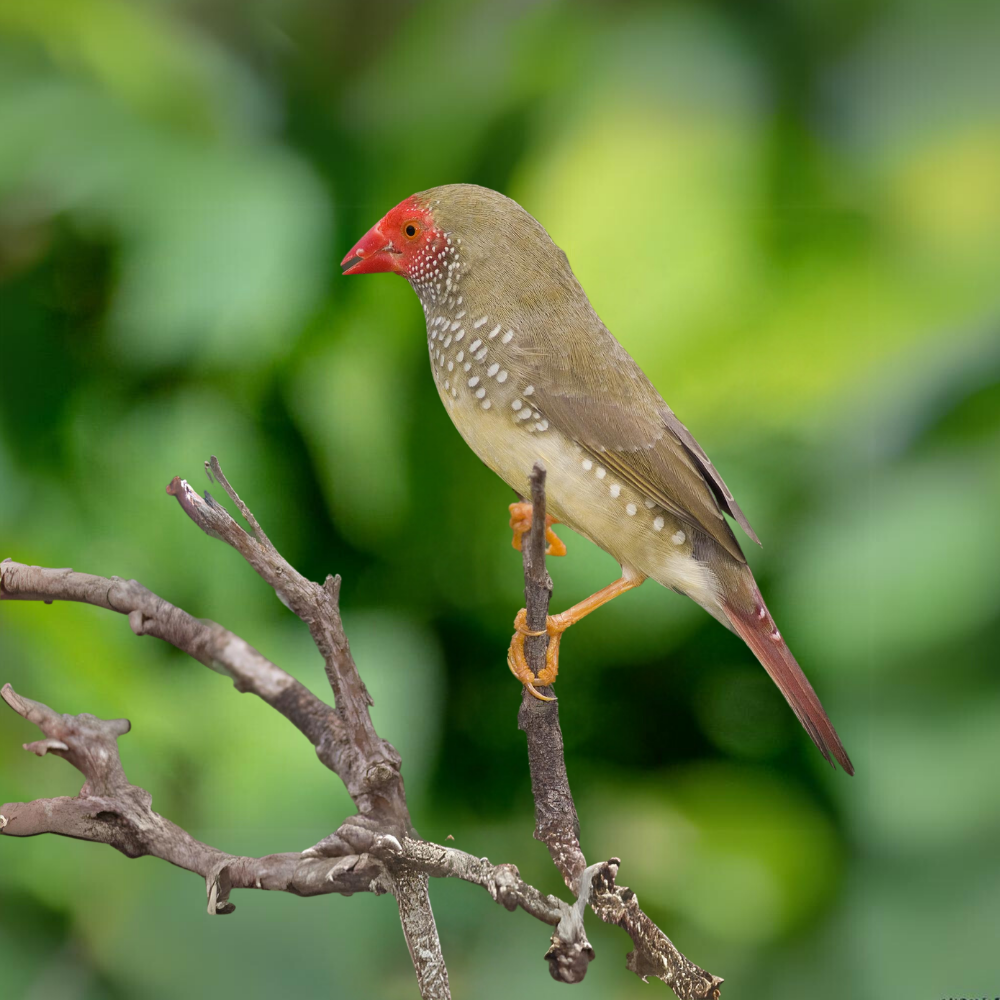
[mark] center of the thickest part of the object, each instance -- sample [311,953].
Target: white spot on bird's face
[502,377]
[658,523]
[486,404]
[481,354]
[480,322]
[506,338]
[474,381]
[650,504]
[492,370]
[462,313]
[615,490]
[630,509]
[542,425]
[474,346]
[460,356]
[480,392]
[601,472]
[587,465]
[459,336]
[516,405]
[455,325]
[528,391]
[451,365]
[525,414]
[467,365]
[678,537]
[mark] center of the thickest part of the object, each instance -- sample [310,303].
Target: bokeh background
[788,212]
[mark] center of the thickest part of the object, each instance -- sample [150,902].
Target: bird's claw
[520,522]
[517,662]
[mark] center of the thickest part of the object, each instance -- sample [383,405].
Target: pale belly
[646,540]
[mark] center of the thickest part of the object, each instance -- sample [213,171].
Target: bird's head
[406,240]
[469,234]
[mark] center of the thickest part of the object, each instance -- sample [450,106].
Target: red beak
[373,254]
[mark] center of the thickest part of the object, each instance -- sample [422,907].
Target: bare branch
[415,914]
[502,882]
[110,810]
[368,765]
[374,851]
[654,953]
[557,824]
[208,643]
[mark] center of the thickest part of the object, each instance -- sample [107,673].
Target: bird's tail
[757,629]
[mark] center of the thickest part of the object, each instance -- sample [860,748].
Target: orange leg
[520,521]
[554,628]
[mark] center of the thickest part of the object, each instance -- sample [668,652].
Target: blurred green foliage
[788,212]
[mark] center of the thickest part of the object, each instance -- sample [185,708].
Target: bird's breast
[487,400]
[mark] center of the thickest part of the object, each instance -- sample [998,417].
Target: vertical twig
[556,823]
[420,930]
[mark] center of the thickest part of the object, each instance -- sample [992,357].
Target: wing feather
[595,393]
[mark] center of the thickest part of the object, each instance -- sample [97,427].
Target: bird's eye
[410,229]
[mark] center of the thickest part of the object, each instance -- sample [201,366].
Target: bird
[528,372]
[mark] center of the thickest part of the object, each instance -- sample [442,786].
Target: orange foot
[555,625]
[518,663]
[520,521]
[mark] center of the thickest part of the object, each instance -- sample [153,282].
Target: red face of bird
[404,241]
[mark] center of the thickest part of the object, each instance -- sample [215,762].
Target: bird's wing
[600,398]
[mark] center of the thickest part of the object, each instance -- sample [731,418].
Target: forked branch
[376,850]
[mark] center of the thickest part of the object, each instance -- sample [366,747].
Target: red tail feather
[758,631]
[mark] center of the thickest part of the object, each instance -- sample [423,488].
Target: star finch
[527,372]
